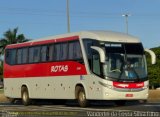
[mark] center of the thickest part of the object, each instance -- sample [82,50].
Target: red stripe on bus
[44,69]
[40,42]
[128,85]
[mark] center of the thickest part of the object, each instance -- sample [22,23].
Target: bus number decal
[59,68]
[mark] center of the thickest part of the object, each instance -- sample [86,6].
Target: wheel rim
[25,97]
[82,96]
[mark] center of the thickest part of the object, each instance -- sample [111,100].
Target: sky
[42,18]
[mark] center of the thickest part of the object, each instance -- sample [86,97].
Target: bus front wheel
[81,97]
[25,96]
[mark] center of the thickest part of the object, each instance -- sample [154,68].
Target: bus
[82,66]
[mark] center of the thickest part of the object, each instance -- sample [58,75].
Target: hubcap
[25,96]
[82,96]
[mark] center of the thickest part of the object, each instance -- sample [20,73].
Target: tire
[81,97]
[25,96]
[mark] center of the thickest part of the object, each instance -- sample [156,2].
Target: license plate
[129,95]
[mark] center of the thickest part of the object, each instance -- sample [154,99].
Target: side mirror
[101,53]
[153,56]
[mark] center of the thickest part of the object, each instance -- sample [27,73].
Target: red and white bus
[89,65]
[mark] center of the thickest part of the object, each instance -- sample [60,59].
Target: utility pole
[126,20]
[68,17]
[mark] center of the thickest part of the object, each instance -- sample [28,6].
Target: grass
[154,95]
[2,97]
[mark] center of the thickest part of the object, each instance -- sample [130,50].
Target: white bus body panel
[56,88]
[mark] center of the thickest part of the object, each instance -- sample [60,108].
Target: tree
[153,70]
[11,37]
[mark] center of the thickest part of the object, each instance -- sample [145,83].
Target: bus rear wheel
[25,96]
[81,97]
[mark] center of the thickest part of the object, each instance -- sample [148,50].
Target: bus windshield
[125,62]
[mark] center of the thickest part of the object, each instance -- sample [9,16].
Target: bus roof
[109,36]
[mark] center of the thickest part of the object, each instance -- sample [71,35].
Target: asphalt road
[96,109]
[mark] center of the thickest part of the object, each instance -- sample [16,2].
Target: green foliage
[10,37]
[154,70]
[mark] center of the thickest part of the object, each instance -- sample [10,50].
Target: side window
[63,51]
[34,54]
[25,55]
[92,56]
[87,45]
[71,45]
[75,50]
[31,53]
[10,56]
[19,56]
[96,63]
[57,52]
[51,52]
[44,53]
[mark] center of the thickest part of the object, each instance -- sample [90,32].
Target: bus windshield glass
[124,61]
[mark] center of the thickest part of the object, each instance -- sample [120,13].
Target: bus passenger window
[75,52]
[44,55]
[51,52]
[31,50]
[64,51]
[19,56]
[34,54]
[71,44]
[24,55]
[10,57]
[57,52]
